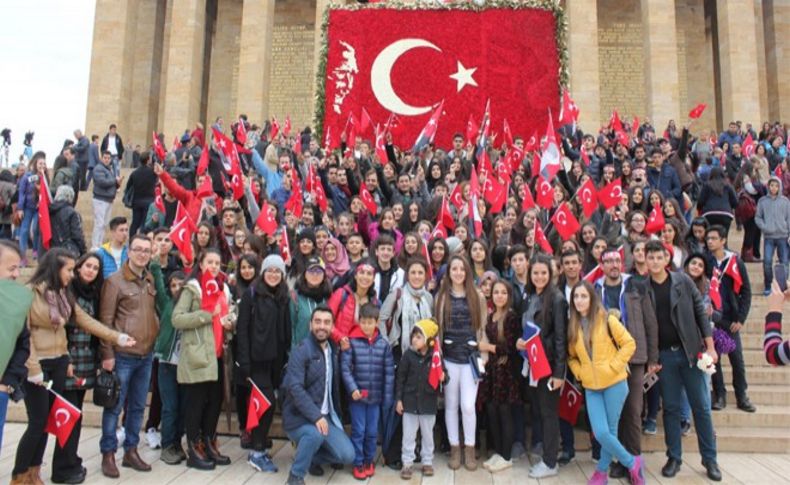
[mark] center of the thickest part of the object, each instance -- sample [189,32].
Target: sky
[45,54]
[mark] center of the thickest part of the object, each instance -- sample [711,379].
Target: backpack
[747,207]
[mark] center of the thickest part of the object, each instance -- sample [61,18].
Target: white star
[464,76]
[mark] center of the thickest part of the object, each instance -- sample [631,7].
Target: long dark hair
[48,269]
[321,292]
[716,180]
[548,292]
[88,291]
[197,273]
[241,283]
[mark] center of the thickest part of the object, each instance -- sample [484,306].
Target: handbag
[128,195]
[107,389]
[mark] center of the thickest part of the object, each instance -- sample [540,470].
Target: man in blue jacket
[662,177]
[312,399]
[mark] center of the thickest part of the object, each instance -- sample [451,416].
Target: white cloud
[45,54]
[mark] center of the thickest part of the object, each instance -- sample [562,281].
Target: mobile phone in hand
[780,274]
[649,381]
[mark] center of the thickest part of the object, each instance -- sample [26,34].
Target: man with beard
[312,399]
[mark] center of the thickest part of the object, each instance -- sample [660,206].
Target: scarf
[415,305]
[59,307]
[340,265]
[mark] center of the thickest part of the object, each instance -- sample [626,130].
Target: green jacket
[167,341]
[198,360]
[150,225]
[301,308]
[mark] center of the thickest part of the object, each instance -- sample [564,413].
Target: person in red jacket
[346,301]
[191,200]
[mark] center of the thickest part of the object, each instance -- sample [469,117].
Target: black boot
[213,454]
[196,456]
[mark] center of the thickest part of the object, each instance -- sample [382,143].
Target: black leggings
[546,402]
[204,405]
[30,450]
[500,427]
[65,461]
[263,376]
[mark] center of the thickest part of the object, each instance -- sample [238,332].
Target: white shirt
[111,146]
[327,380]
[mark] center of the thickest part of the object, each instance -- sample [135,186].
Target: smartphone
[649,381]
[780,274]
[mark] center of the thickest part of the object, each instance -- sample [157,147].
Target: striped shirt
[777,352]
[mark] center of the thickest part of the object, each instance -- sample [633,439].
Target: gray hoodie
[773,214]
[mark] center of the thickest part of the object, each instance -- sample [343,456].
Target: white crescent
[562,219]
[587,195]
[533,350]
[572,399]
[181,234]
[381,76]
[212,287]
[257,404]
[545,187]
[58,414]
[617,192]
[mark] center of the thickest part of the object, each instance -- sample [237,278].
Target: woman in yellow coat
[599,348]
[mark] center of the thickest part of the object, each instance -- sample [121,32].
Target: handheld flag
[696,112]
[436,374]
[565,222]
[44,200]
[655,222]
[159,150]
[367,199]
[732,270]
[257,407]
[428,133]
[534,355]
[62,417]
[540,239]
[544,193]
[715,289]
[266,220]
[588,197]
[571,400]
[612,194]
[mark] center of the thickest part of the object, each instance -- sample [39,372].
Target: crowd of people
[377,287]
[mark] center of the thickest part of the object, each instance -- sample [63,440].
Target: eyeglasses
[315,270]
[140,250]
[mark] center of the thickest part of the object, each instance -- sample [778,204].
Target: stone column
[184,75]
[662,81]
[110,84]
[777,50]
[585,79]
[257,23]
[144,106]
[740,89]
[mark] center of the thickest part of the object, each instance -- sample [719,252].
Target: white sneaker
[492,461]
[120,435]
[154,438]
[541,470]
[500,465]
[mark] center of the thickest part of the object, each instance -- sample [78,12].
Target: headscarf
[340,265]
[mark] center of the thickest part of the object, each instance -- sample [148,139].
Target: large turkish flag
[407,61]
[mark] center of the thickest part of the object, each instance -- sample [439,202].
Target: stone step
[762,394]
[769,376]
[767,416]
[730,439]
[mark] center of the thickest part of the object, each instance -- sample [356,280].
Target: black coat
[411,385]
[263,329]
[553,329]
[66,226]
[144,181]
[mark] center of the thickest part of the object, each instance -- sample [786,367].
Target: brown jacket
[128,304]
[48,341]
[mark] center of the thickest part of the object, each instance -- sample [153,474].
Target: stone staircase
[766,431]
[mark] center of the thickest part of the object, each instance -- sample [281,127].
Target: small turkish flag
[295,204]
[181,235]
[635,127]
[508,133]
[203,162]
[367,199]
[540,239]
[266,220]
[534,353]
[594,274]
[285,245]
[436,374]
[457,197]
[550,153]
[297,148]
[715,290]
[569,112]
[439,231]
[445,216]
[241,132]
[62,417]
[257,407]
[778,171]
[545,193]
[350,130]
[428,133]
[330,142]
[732,270]
[588,197]
[494,193]
[159,203]
[472,130]
[655,222]
[381,147]
[365,122]
[615,123]
[275,128]
[181,212]
[748,146]
[585,157]
[565,222]
[612,194]
[159,150]
[287,125]
[514,157]
[205,189]
[427,257]
[696,112]
[44,201]
[531,144]
[571,400]
[528,202]
[211,288]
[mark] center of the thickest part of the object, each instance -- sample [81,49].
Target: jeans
[677,374]
[313,448]
[134,372]
[603,408]
[364,431]
[782,249]
[101,216]
[4,398]
[173,405]
[411,423]
[738,372]
[30,220]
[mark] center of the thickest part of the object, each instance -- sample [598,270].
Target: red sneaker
[370,469]
[359,472]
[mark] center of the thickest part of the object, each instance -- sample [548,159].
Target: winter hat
[273,261]
[488,275]
[453,244]
[427,327]
[306,233]
[314,262]
[776,179]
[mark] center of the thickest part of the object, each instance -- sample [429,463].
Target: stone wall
[695,62]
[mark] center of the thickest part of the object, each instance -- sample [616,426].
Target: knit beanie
[453,244]
[427,327]
[306,233]
[273,261]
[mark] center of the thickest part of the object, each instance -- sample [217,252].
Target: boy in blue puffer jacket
[369,377]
